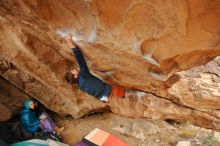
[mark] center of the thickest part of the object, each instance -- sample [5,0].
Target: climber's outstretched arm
[78,54]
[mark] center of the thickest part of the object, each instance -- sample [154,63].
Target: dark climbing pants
[13,132]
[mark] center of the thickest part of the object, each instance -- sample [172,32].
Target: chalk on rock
[77,36]
[89,37]
[149,59]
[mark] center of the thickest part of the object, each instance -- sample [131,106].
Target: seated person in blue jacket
[32,123]
[86,81]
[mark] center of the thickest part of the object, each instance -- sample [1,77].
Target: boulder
[163,52]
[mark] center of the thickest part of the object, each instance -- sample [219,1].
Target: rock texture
[138,131]
[161,51]
[184,143]
[11,99]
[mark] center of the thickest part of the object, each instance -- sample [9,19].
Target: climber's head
[29,104]
[72,76]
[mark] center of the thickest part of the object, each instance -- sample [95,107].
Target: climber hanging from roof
[88,82]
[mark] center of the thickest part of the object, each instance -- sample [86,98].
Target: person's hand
[68,37]
[70,41]
[41,121]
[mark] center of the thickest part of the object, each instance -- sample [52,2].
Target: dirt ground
[76,129]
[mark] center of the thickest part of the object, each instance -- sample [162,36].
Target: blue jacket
[88,82]
[29,120]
